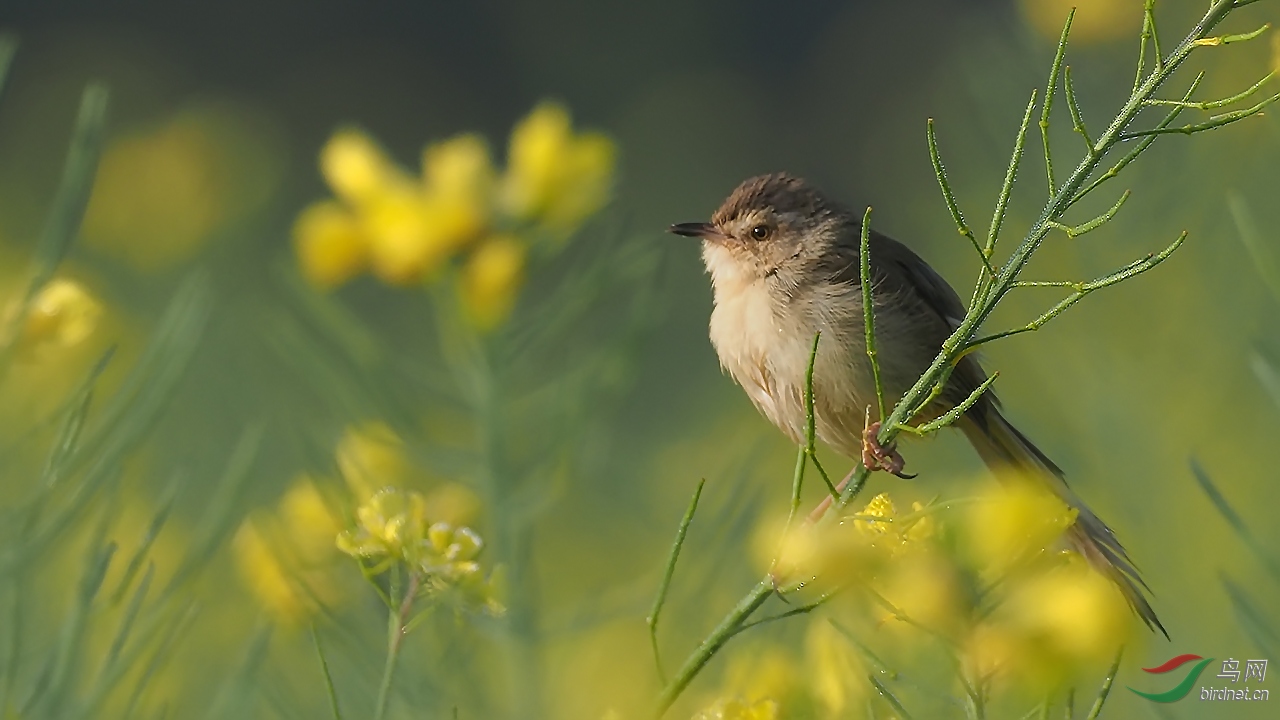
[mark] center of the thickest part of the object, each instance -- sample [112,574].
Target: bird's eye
[760,232]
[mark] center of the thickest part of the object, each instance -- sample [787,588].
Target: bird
[784,261]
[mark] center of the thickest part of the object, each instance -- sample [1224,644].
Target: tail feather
[1001,445]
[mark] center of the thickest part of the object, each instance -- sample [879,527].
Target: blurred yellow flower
[308,522]
[1073,611]
[357,170]
[454,503]
[1095,20]
[331,245]
[767,671]
[491,279]
[554,176]
[1050,626]
[286,557]
[1015,521]
[836,674]
[737,709]
[925,588]
[371,457]
[162,192]
[266,575]
[62,314]
[406,229]
[460,168]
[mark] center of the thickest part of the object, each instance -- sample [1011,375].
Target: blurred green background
[217,116]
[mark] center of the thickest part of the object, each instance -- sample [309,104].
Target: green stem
[727,628]
[670,570]
[396,619]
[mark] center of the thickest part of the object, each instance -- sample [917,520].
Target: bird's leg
[825,505]
[880,457]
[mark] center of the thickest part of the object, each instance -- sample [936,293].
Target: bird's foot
[881,457]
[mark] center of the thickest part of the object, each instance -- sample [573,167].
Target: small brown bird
[784,262]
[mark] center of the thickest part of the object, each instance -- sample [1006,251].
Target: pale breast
[764,340]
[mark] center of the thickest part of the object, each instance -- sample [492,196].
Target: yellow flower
[737,709]
[308,522]
[1095,20]
[460,168]
[835,672]
[357,169]
[62,314]
[162,192]
[371,457]
[390,525]
[554,176]
[286,557]
[1051,625]
[1014,522]
[1077,614]
[266,575]
[331,245]
[491,280]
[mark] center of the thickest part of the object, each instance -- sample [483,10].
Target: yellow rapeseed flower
[738,709]
[357,170]
[1015,521]
[308,522]
[835,671]
[266,575]
[1095,20]
[491,280]
[331,244]
[286,556]
[63,314]
[461,168]
[554,176]
[1077,615]
[391,525]
[370,457]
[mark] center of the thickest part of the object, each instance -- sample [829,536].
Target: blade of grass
[328,678]
[1233,519]
[1105,689]
[1050,90]
[667,573]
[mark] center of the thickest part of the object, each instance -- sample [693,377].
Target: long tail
[1001,445]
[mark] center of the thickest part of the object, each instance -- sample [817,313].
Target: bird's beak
[703,230]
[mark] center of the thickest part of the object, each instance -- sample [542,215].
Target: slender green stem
[954,414]
[727,628]
[889,697]
[396,619]
[1228,39]
[667,573]
[328,678]
[950,199]
[1214,104]
[1142,44]
[1135,268]
[1114,170]
[1002,204]
[1050,90]
[1216,121]
[1105,690]
[1149,11]
[1078,230]
[1077,120]
[868,309]
[811,424]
